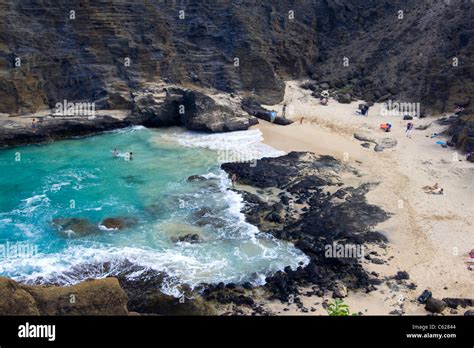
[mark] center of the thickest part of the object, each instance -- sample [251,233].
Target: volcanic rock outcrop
[305,201]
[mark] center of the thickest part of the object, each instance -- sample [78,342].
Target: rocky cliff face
[104,51]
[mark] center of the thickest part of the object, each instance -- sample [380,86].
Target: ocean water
[80,178]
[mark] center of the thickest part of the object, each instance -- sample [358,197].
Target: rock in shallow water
[118,223]
[188,238]
[74,227]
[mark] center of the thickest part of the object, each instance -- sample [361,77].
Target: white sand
[430,235]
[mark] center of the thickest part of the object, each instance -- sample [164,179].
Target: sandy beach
[429,235]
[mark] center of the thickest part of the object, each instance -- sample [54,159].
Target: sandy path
[430,235]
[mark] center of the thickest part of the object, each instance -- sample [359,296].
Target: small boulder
[118,223]
[424,296]
[344,98]
[377,261]
[340,291]
[196,178]
[434,305]
[402,275]
[188,238]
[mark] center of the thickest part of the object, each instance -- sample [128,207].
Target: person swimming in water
[115,153]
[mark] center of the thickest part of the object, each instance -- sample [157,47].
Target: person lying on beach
[431,188]
[386,127]
[438,191]
[323,101]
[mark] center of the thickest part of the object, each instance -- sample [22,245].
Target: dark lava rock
[327,218]
[196,178]
[119,222]
[56,129]
[252,107]
[202,212]
[435,306]
[377,261]
[213,221]
[74,227]
[402,275]
[188,238]
[424,296]
[462,131]
[344,99]
[455,302]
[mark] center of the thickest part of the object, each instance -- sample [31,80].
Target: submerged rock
[196,178]
[188,238]
[74,227]
[119,223]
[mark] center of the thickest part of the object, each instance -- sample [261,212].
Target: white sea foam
[249,142]
[255,255]
[189,267]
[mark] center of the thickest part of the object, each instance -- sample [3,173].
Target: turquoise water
[80,178]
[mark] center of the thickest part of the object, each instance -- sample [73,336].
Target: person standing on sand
[33,125]
[234,180]
[283,112]
[301,120]
[409,129]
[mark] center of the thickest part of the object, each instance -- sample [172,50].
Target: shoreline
[394,175]
[416,229]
